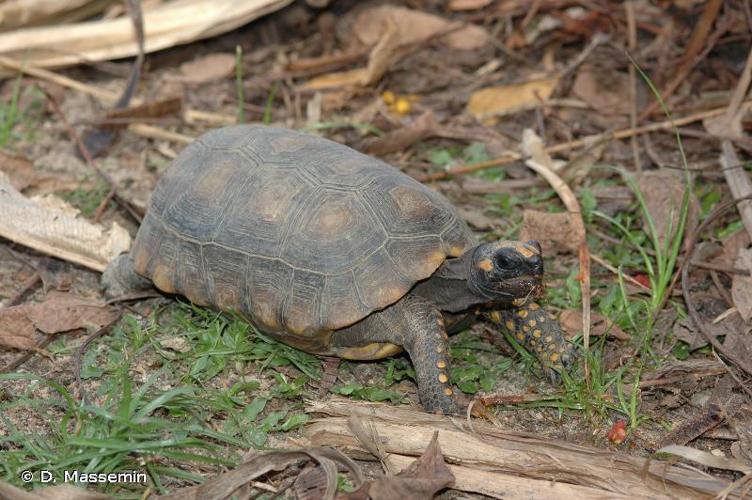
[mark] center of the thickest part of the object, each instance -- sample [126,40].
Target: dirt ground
[537,120]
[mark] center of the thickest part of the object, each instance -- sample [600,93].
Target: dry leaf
[556,232]
[398,140]
[425,477]
[741,286]
[19,170]
[571,322]
[491,102]
[602,90]
[468,4]
[207,68]
[415,26]
[662,191]
[60,312]
[51,226]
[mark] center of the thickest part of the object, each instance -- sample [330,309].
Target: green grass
[18,123]
[154,409]
[87,199]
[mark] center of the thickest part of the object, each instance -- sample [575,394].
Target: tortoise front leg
[415,324]
[539,332]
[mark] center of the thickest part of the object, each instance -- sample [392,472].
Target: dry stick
[690,58]
[105,96]
[89,160]
[729,354]
[30,285]
[512,156]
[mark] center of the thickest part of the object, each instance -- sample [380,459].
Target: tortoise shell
[299,234]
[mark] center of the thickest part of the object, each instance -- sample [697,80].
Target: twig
[690,58]
[729,354]
[13,365]
[30,285]
[511,156]
[611,268]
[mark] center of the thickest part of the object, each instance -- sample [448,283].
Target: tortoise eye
[502,260]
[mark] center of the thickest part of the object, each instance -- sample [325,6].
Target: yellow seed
[510,325]
[402,106]
[531,322]
[522,313]
[554,357]
[448,391]
[533,306]
[388,97]
[495,316]
[537,333]
[443,378]
[441,364]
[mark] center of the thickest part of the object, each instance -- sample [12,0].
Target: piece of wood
[406,431]
[165,25]
[500,485]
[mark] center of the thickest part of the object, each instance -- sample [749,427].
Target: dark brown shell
[297,233]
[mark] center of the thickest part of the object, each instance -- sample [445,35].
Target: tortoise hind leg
[416,325]
[121,279]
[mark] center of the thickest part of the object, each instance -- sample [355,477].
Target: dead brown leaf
[602,90]
[425,477]
[415,26]
[741,286]
[468,4]
[571,321]
[60,312]
[153,109]
[398,140]
[491,102]
[225,485]
[19,169]
[662,191]
[556,232]
[208,68]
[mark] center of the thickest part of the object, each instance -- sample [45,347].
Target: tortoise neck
[449,287]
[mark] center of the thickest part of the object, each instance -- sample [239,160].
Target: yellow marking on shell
[495,316]
[525,328]
[140,261]
[374,350]
[531,322]
[448,391]
[533,306]
[439,349]
[518,302]
[554,357]
[162,278]
[440,321]
[443,378]
[441,364]
[541,318]
[456,250]
[520,336]
[486,265]
[526,251]
[549,339]
[510,325]
[552,347]
[533,342]
[551,315]
[522,313]
[537,333]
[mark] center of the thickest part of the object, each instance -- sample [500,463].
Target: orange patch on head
[525,250]
[486,265]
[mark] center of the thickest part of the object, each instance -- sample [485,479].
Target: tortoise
[332,252]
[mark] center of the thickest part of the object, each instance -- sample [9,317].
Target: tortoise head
[507,271]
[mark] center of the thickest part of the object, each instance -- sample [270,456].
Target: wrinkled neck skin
[450,287]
